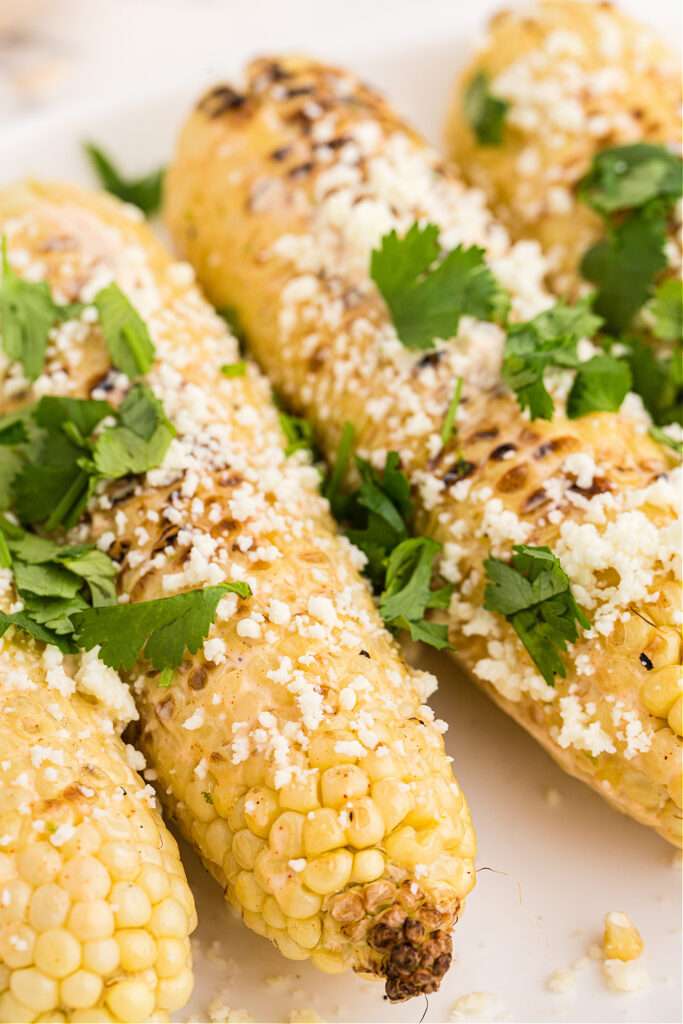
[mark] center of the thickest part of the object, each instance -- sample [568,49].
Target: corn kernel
[675,789]
[217,839]
[130,1001]
[248,892]
[342,783]
[131,905]
[410,848]
[91,920]
[305,933]
[665,647]
[81,990]
[329,872]
[15,897]
[171,955]
[154,880]
[34,989]
[16,945]
[367,866]
[322,831]
[323,752]
[301,795]
[200,808]
[101,956]
[246,848]
[675,717]
[38,864]
[14,1012]
[366,824]
[260,810]
[121,860]
[48,907]
[329,963]
[168,920]
[137,949]
[394,800]
[621,940]
[96,1015]
[661,689]
[286,835]
[297,901]
[173,993]
[272,914]
[57,953]
[289,948]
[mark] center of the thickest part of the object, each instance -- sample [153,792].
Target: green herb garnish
[298,433]
[533,592]
[234,369]
[627,177]
[485,112]
[451,413]
[160,630]
[145,192]
[408,592]
[426,295]
[125,332]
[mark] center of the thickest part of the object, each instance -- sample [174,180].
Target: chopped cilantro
[298,433]
[408,592]
[657,379]
[145,193]
[667,310]
[550,339]
[165,678]
[234,369]
[627,177]
[601,385]
[160,630]
[378,511]
[332,487]
[140,439]
[533,592]
[125,332]
[426,298]
[451,412]
[662,437]
[28,624]
[485,112]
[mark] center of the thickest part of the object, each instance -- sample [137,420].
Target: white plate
[556,871]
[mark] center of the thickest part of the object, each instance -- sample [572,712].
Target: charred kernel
[645,661]
[515,478]
[502,451]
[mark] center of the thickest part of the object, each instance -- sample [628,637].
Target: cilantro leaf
[140,439]
[298,433]
[27,314]
[125,332]
[657,379]
[627,177]
[408,593]
[427,301]
[533,592]
[601,385]
[332,486]
[95,569]
[550,339]
[378,511]
[234,369]
[145,193]
[661,436]
[485,112]
[667,309]
[625,264]
[159,630]
[39,632]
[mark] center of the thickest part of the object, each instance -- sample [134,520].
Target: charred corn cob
[295,748]
[578,78]
[95,911]
[277,195]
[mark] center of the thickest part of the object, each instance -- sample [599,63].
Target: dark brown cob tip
[399,935]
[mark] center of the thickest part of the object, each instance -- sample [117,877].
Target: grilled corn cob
[277,195]
[295,749]
[578,78]
[89,876]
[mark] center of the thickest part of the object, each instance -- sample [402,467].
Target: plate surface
[547,873]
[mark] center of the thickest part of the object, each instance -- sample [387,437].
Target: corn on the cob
[295,749]
[579,78]
[277,195]
[89,875]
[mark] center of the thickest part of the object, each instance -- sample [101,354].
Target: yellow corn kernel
[272,914]
[48,907]
[289,948]
[168,920]
[130,1000]
[426,810]
[86,840]
[329,963]
[101,956]
[97,1015]
[342,783]
[661,689]
[286,835]
[91,920]
[85,878]
[217,838]
[131,905]
[34,989]
[367,866]
[301,795]
[675,716]
[305,933]
[260,810]
[234,813]
[297,901]
[137,949]
[621,938]
[394,799]
[173,993]
[409,848]
[57,953]
[80,990]
[121,860]
[635,633]
[329,872]
[154,880]
[14,1012]
[246,848]
[194,796]
[171,955]
[39,864]
[675,789]
[366,824]
[663,610]
[248,892]
[322,832]
[664,647]
[255,922]
[16,945]
[380,766]
[15,897]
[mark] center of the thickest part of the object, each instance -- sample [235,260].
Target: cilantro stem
[451,412]
[341,464]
